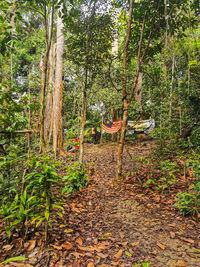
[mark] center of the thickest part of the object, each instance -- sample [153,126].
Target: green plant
[145,264]
[40,182]
[17,212]
[167,176]
[13,259]
[189,202]
[75,179]
[11,169]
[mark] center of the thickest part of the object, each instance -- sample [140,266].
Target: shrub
[75,179]
[189,202]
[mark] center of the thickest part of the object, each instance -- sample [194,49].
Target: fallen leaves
[180,263]
[134,244]
[98,247]
[68,231]
[188,240]
[66,246]
[101,255]
[79,241]
[114,263]
[160,245]
[119,253]
[74,208]
[90,264]
[31,245]
[56,247]
[8,247]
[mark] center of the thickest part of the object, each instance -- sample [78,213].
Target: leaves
[67,245]
[180,263]
[188,240]
[128,254]
[79,240]
[119,254]
[13,259]
[134,244]
[31,245]
[160,245]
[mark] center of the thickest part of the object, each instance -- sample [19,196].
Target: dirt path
[105,225]
[123,218]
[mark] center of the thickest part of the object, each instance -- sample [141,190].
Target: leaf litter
[109,224]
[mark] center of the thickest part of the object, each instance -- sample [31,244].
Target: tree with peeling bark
[48,40]
[57,96]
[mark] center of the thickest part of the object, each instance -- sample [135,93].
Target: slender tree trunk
[79,115]
[74,106]
[102,111]
[29,113]
[52,94]
[44,78]
[124,94]
[171,88]
[83,117]
[48,110]
[58,85]
[127,100]
[138,91]
[60,133]
[85,88]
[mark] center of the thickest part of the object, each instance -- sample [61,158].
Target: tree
[57,96]
[89,44]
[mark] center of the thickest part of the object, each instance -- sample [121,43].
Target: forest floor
[110,224]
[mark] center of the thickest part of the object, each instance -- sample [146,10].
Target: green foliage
[18,211]
[11,166]
[145,264]
[37,202]
[166,176]
[76,178]
[189,202]
[18,258]
[40,182]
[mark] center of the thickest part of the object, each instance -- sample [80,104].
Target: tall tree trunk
[58,85]
[124,94]
[49,102]
[48,39]
[52,93]
[171,87]
[127,100]
[85,87]
[83,117]
[60,133]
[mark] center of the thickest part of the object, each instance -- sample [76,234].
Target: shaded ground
[109,225]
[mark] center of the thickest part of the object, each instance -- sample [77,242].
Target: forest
[99,133]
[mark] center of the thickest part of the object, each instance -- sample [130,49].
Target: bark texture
[58,85]
[48,40]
